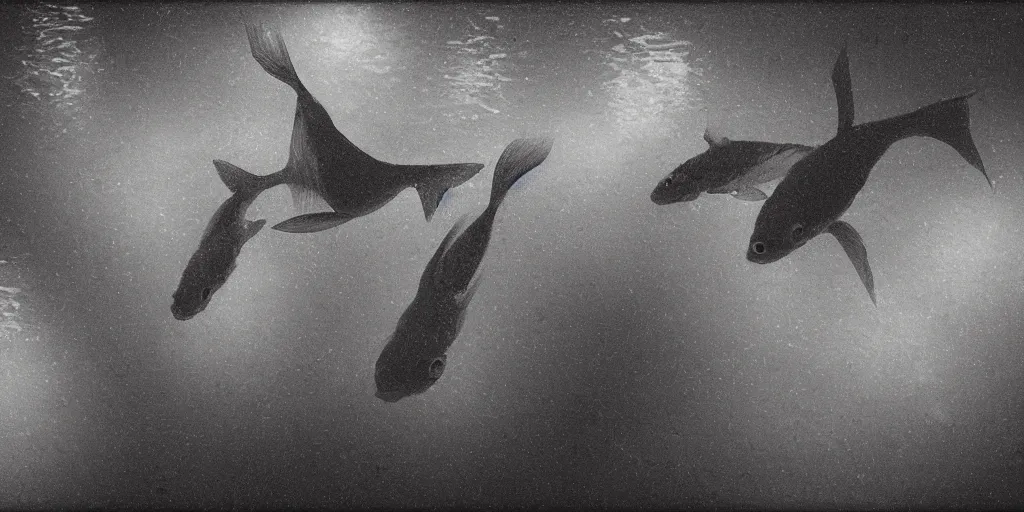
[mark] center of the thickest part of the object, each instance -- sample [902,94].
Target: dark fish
[225,234]
[729,167]
[818,189]
[415,354]
[324,162]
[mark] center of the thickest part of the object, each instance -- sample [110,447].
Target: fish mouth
[182,315]
[763,258]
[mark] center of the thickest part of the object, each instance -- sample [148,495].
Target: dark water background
[618,353]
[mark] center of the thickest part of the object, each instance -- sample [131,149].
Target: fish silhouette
[415,355]
[228,230]
[325,163]
[822,186]
[733,167]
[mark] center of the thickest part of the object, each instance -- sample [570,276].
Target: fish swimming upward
[819,189]
[415,354]
[729,167]
[228,230]
[324,162]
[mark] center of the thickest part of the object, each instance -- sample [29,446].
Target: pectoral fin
[854,247]
[312,222]
[462,299]
[749,194]
[251,228]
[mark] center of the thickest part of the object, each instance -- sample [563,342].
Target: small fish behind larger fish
[729,167]
[821,187]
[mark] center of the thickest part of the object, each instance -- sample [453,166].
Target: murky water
[617,353]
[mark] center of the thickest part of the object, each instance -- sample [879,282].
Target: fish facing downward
[415,354]
[733,167]
[323,162]
[820,187]
[228,230]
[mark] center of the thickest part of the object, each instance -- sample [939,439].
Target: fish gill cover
[55,60]
[654,81]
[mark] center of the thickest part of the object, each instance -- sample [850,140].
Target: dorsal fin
[714,139]
[844,91]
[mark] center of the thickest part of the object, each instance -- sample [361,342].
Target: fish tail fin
[240,180]
[948,121]
[519,158]
[270,52]
[432,181]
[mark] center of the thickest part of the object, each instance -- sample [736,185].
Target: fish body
[323,162]
[729,167]
[820,187]
[414,356]
[226,232]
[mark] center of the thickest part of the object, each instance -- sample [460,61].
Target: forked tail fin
[519,157]
[239,180]
[948,121]
[432,181]
[270,52]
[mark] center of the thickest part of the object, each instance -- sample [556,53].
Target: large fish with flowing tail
[228,230]
[735,167]
[415,355]
[323,162]
[820,187]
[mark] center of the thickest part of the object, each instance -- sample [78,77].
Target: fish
[820,188]
[322,162]
[415,354]
[225,235]
[734,167]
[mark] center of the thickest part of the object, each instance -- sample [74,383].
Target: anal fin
[749,194]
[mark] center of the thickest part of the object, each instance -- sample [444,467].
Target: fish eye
[206,293]
[668,180]
[436,368]
[758,247]
[798,230]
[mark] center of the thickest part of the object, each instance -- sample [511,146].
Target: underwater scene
[544,255]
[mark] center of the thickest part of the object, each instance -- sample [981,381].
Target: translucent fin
[519,157]
[749,194]
[858,254]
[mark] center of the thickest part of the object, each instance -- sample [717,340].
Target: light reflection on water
[56,59]
[478,64]
[655,80]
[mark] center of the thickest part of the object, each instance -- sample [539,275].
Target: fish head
[701,173]
[402,370]
[781,228]
[205,273]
